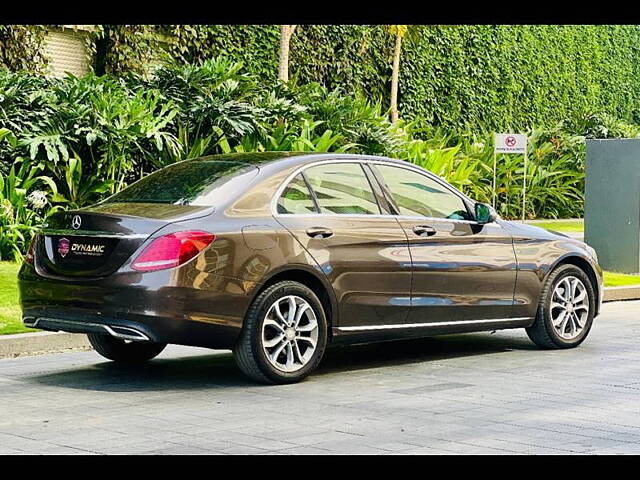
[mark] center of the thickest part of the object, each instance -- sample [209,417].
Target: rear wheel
[284,334]
[120,350]
[566,309]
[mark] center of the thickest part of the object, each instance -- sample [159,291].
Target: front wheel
[284,334]
[122,351]
[566,309]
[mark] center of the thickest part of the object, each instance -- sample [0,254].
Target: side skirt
[374,333]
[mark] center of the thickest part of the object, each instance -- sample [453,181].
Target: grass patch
[10,313]
[561,226]
[612,279]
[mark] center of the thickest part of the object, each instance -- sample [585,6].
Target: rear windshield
[191,182]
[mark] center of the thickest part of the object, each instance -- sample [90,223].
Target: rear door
[332,210]
[462,271]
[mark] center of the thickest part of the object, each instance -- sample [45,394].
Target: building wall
[66,50]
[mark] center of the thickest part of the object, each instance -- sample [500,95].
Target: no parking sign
[510,143]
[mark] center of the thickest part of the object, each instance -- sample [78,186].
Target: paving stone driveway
[473,394]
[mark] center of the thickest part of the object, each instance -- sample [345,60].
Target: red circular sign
[510,141]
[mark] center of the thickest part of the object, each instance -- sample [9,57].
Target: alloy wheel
[290,333]
[569,307]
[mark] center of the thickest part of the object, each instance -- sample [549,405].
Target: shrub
[24,203]
[67,143]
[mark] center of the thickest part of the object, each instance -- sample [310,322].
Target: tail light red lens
[172,250]
[31,251]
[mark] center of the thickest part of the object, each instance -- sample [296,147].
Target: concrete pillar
[612,203]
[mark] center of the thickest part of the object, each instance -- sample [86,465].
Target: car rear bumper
[163,306]
[82,326]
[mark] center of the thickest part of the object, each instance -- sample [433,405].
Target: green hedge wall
[458,77]
[21,47]
[520,76]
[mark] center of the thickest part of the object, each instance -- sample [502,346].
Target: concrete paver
[472,394]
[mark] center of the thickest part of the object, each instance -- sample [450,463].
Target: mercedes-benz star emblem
[76,221]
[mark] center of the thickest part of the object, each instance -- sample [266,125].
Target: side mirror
[484,213]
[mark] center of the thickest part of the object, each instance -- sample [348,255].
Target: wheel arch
[312,279]
[586,267]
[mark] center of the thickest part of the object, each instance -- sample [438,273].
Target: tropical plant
[296,138]
[83,138]
[79,190]
[24,198]
[356,118]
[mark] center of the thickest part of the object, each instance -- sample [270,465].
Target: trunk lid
[96,241]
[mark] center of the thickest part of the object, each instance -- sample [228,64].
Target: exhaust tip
[75,326]
[30,322]
[126,333]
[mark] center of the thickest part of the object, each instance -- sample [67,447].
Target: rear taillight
[31,251]
[172,250]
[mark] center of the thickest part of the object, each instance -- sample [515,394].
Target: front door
[363,253]
[462,271]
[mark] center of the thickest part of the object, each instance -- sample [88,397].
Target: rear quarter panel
[245,254]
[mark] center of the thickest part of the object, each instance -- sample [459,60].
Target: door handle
[319,232]
[424,230]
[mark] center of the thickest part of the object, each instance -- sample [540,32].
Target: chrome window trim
[431,324]
[362,215]
[362,162]
[89,233]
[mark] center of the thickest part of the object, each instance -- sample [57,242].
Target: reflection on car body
[276,254]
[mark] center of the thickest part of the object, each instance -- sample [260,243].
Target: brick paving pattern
[472,394]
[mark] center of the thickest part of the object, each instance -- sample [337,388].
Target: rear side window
[192,182]
[296,198]
[342,188]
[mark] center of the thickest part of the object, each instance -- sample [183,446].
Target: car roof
[290,159]
[270,164]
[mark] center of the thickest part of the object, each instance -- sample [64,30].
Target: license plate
[82,247]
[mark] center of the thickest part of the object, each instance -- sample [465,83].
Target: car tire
[121,351]
[548,331]
[254,352]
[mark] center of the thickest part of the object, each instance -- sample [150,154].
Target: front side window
[420,196]
[296,198]
[342,188]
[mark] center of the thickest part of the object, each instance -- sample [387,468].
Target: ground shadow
[401,352]
[175,373]
[219,370]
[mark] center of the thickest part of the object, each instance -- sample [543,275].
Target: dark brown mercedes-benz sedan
[274,255]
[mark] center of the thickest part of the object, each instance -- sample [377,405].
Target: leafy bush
[597,125]
[555,171]
[21,47]
[359,121]
[503,77]
[24,203]
[67,143]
